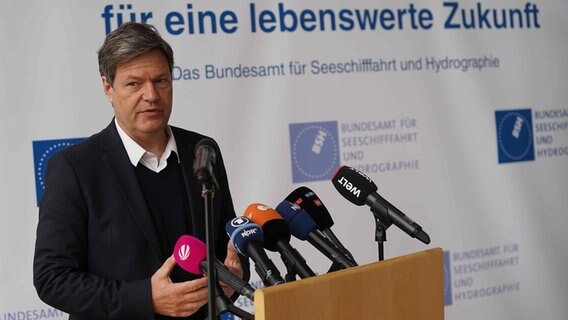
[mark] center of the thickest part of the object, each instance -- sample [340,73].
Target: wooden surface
[406,287]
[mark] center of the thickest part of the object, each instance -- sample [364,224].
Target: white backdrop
[477,157]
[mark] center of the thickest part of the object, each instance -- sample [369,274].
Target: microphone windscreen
[299,222]
[205,157]
[235,223]
[242,235]
[275,231]
[353,184]
[206,143]
[260,213]
[273,226]
[189,252]
[310,202]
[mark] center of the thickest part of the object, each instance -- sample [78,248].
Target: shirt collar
[136,152]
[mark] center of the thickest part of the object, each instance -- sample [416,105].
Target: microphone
[277,237]
[205,157]
[247,238]
[358,188]
[310,202]
[190,252]
[303,227]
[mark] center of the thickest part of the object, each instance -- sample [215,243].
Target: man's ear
[107,87]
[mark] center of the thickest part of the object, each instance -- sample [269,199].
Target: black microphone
[311,203]
[303,227]
[205,157]
[247,238]
[277,237]
[358,188]
[189,253]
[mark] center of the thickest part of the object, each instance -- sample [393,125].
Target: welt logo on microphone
[43,151]
[314,150]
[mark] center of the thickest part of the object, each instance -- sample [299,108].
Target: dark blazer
[96,246]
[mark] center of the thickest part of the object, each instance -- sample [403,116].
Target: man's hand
[233,263]
[176,299]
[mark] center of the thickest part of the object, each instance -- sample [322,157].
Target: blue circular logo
[515,136]
[447,281]
[315,152]
[42,162]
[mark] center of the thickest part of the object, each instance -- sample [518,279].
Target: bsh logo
[447,279]
[314,150]
[514,135]
[43,151]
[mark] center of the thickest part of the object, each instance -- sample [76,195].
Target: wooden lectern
[407,287]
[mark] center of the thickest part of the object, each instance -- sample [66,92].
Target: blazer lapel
[117,161]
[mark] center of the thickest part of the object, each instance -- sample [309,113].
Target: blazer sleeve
[60,267]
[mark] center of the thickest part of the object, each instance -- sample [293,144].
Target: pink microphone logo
[189,252]
[184,252]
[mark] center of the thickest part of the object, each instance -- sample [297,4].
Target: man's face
[142,95]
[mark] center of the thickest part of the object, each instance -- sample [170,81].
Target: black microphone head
[206,142]
[310,202]
[353,184]
[273,225]
[205,157]
[275,231]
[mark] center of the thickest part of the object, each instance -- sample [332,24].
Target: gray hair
[128,41]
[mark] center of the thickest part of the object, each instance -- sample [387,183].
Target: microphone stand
[217,302]
[381,232]
[224,304]
[208,193]
[293,267]
[331,236]
[290,273]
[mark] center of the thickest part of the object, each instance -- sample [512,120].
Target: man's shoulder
[188,136]
[89,147]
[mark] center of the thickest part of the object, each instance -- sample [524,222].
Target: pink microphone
[189,252]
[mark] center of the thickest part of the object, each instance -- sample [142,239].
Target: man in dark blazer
[115,204]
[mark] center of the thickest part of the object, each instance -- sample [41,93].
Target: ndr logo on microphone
[314,149]
[514,135]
